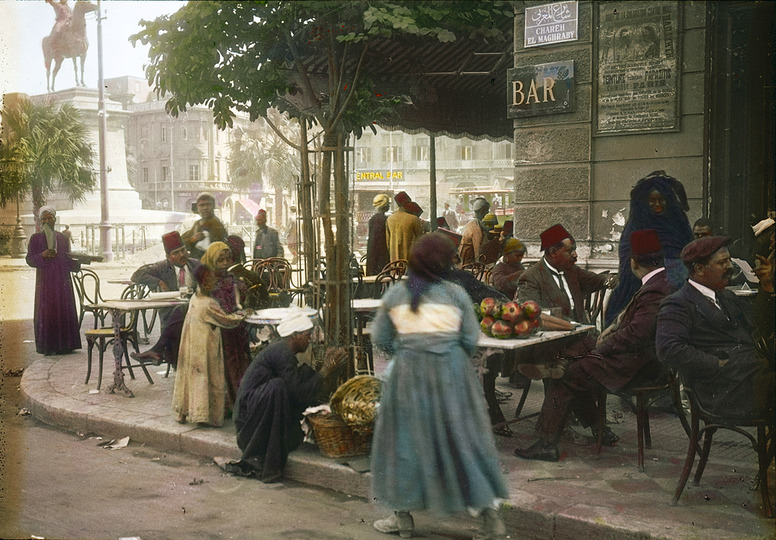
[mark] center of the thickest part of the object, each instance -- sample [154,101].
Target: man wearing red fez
[704,331]
[266,243]
[207,229]
[402,228]
[171,274]
[624,354]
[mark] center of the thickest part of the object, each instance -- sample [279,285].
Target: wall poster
[638,67]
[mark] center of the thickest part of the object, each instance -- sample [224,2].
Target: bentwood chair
[104,337]
[762,443]
[87,288]
[594,304]
[476,268]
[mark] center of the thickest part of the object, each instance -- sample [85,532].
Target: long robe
[200,393]
[273,394]
[236,341]
[433,447]
[401,231]
[56,318]
[377,255]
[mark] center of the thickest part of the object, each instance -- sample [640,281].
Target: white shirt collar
[704,290]
[551,267]
[652,273]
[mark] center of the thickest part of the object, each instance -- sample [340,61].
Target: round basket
[335,439]
[356,400]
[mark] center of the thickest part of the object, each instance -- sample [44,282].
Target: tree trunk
[306,204]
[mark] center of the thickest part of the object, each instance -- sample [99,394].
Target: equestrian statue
[67,39]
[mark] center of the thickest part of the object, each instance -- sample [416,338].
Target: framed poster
[638,67]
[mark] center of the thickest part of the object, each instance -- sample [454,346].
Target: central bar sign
[540,89]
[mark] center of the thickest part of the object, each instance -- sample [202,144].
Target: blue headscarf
[673,229]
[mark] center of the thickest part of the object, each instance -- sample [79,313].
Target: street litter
[113,444]
[24,412]
[94,391]
[196,482]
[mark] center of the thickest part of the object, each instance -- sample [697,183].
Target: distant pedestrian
[450,218]
[56,320]
[377,255]
[266,244]
[68,234]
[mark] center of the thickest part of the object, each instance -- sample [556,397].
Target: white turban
[294,322]
[47,210]
[762,226]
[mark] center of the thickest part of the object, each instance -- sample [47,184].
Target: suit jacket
[539,285]
[693,335]
[151,274]
[215,229]
[266,244]
[628,350]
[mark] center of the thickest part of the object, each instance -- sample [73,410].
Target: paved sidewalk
[582,495]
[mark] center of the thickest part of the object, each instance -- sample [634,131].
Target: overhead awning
[249,206]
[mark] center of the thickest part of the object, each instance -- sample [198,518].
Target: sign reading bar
[540,89]
[551,23]
[638,67]
[365,176]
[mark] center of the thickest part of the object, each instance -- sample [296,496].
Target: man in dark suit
[207,229]
[266,244]
[557,282]
[624,354]
[705,332]
[172,274]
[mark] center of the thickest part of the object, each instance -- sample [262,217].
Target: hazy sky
[24,24]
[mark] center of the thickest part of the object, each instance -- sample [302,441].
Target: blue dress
[433,446]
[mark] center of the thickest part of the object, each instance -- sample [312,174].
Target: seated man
[506,272]
[174,272]
[705,332]
[557,282]
[624,354]
[273,394]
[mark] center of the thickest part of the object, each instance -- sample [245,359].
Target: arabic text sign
[551,23]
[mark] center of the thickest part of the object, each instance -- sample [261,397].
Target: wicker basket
[356,400]
[335,439]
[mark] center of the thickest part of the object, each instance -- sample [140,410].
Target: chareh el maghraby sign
[540,89]
[551,23]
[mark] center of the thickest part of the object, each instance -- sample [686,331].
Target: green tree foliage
[313,60]
[48,147]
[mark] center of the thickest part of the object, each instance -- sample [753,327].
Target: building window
[502,151]
[185,134]
[391,154]
[165,173]
[145,175]
[466,153]
[193,173]
[144,131]
[420,153]
[164,134]
[218,169]
[363,155]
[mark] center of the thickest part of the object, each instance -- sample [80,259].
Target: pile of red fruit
[510,319]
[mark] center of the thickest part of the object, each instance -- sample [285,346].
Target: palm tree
[53,143]
[259,154]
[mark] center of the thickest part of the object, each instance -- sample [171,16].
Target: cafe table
[121,307]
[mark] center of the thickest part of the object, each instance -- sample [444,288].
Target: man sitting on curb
[705,332]
[171,274]
[624,354]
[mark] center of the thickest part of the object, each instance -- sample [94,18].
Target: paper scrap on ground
[114,444]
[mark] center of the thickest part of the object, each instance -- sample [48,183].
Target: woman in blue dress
[433,446]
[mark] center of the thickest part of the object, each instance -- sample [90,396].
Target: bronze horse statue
[71,43]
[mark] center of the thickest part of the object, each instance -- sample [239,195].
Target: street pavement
[601,496]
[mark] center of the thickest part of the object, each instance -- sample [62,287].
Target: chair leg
[642,427]
[707,436]
[763,461]
[126,357]
[693,446]
[101,347]
[601,421]
[90,346]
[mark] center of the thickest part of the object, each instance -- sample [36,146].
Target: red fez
[645,241]
[553,235]
[704,247]
[402,199]
[508,226]
[413,208]
[441,222]
[172,241]
[260,212]
[454,236]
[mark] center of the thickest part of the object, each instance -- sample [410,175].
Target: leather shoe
[540,450]
[609,437]
[400,522]
[150,356]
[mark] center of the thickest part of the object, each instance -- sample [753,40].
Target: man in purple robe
[56,319]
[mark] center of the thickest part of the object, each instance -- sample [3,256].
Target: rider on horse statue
[63,16]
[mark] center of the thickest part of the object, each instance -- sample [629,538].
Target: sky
[24,24]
